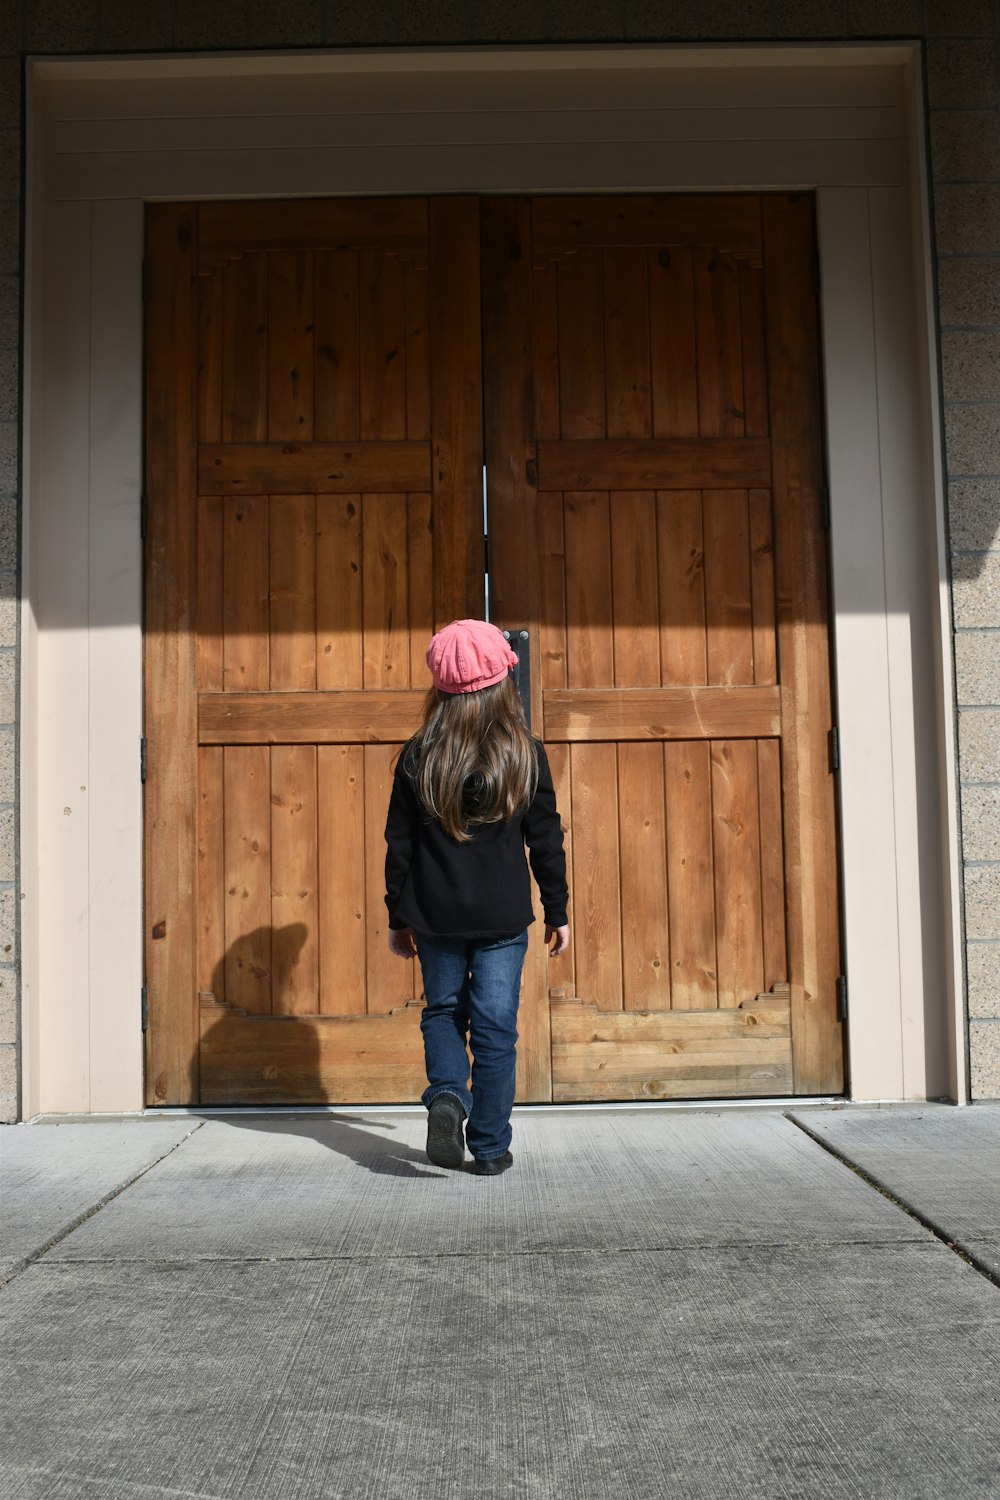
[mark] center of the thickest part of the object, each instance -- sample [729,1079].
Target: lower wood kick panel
[247,1059]
[738,1052]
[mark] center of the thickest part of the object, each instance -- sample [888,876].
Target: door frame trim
[81,680]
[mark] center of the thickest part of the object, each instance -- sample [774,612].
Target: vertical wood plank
[292,592]
[391,980]
[210,594]
[245,654]
[339,633]
[673,343]
[552,584]
[644,917]
[247,852]
[626,343]
[562,975]
[210,314]
[420,585]
[384,591]
[210,892]
[294,881]
[244,365]
[728,614]
[457,408]
[636,639]
[170,657]
[590,648]
[290,346]
[801,589]
[581,346]
[382,346]
[211,904]
[765,642]
[720,356]
[634,582]
[754,359]
[384,521]
[736,831]
[681,554]
[418,380]
[772,863]
[545,350]
[343,900]
[596,875]
[690,876]
[337,387]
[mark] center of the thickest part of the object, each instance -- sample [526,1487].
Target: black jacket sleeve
[543,836]
[401,829]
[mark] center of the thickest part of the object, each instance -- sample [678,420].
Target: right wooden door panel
[670,503]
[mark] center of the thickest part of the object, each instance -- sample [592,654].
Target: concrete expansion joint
[94,1208]
[416,1257]
[956,1246]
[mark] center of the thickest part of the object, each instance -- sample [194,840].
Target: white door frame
[105,135]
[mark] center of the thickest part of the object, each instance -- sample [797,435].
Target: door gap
[486,550]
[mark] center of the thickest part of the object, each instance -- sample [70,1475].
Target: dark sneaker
[493,1166]
[446,1131]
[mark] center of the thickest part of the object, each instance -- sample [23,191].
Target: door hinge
[842,997]
[143,760]
[145,1006]
[486,556]
[833,744]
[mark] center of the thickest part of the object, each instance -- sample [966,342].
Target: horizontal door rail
[333,718]
[313,468]
[653,463]
[728,222]
[674,713]
[228,231]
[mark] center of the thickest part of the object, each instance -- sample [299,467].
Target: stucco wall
[963,61]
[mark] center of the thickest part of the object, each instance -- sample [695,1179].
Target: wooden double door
[328,381]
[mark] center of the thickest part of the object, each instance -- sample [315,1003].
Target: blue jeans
[472,987]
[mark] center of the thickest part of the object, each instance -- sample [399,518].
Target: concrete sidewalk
[706,1304]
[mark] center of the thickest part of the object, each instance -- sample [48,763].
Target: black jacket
[480,889]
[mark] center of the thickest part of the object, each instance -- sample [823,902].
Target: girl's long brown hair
[474,760]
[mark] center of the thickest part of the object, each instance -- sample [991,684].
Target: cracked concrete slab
[942,1162]
[53,1173]
[706,1373]
[265,1188]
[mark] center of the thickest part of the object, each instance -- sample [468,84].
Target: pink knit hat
[468,655]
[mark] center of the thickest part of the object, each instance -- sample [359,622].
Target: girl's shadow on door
[256,976]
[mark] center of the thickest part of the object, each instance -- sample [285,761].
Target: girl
[470,790]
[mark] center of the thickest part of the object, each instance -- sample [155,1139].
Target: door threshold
[622,1106]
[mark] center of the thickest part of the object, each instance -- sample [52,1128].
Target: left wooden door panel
[296,484]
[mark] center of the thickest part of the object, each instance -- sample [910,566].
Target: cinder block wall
[963,65]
